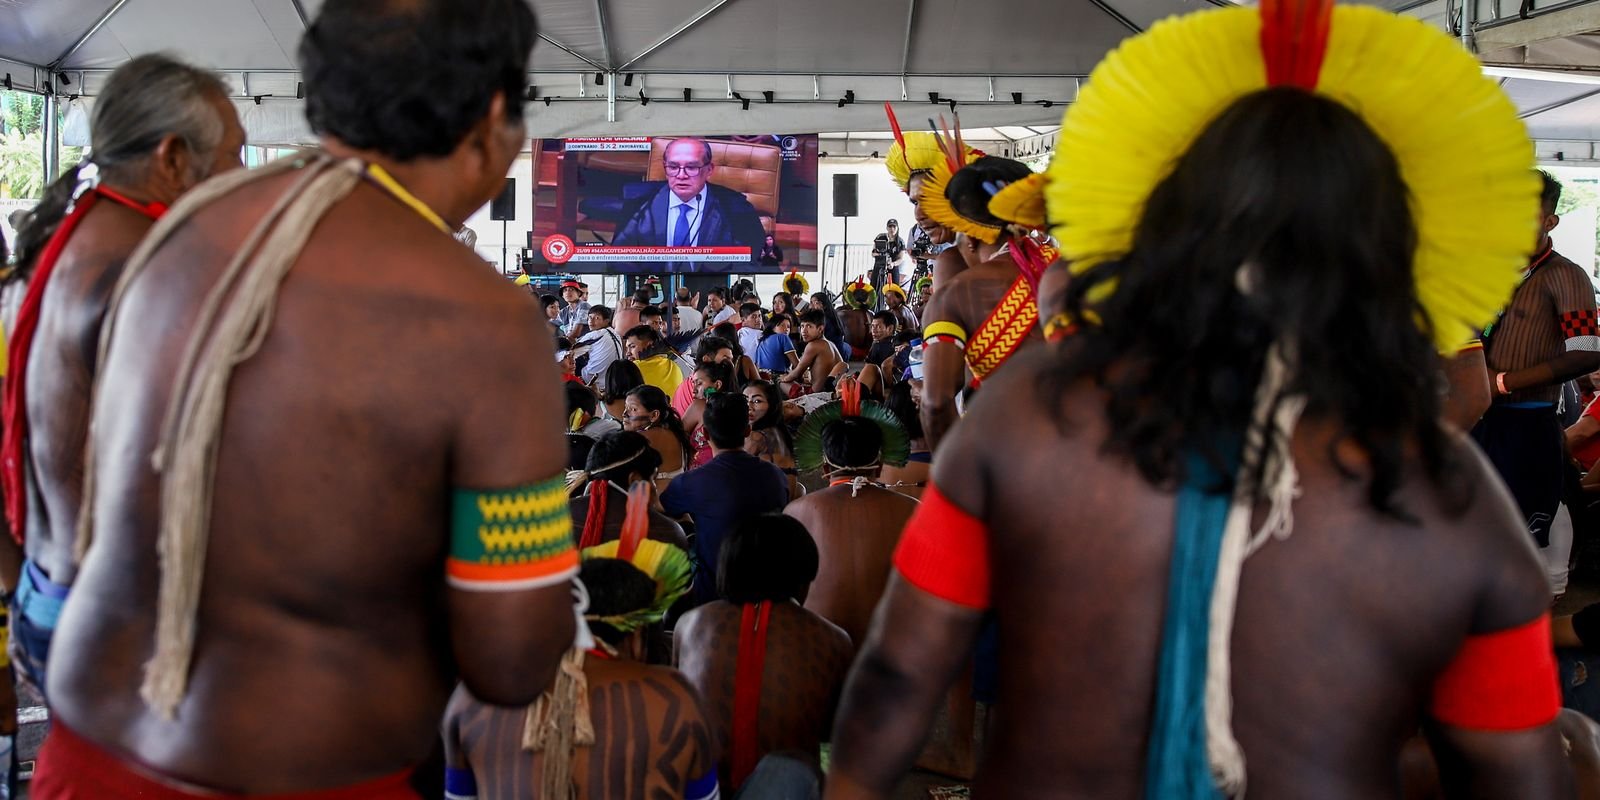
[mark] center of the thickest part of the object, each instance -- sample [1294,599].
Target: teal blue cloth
[1177,767]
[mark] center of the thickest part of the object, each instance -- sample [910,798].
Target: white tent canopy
[1009,63]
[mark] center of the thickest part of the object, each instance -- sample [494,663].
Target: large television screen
[676,204]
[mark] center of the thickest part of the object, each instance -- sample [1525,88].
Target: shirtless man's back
[367,411]
[150,102]
[1240,448]
[805,658]
[651,737]
[855,536]
[855,522]
[1328,680]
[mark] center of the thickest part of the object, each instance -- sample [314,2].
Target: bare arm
[1469,391]
[1582,432]
[1571,296]
[1560,369]
[1496,764]
[507,642]
[812,351]
[1512,593]
[917,646]
[944,368]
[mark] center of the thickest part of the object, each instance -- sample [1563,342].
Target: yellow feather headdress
[1463,153]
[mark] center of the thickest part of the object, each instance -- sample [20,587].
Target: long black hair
[622,377]
[1294,197]
[771,423]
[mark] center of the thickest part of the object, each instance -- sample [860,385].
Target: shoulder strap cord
[231,326]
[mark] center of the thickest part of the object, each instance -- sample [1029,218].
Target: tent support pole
[611,98]
[88,34]
[1533,112]
[575,54]
[676,32]
[52,140]
[1117,15]
[905,52]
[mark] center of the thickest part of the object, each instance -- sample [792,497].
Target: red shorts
[73,768]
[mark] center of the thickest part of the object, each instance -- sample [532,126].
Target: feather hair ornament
[636,522]
[808,455]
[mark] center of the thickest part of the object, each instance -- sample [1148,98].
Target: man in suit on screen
[687,210]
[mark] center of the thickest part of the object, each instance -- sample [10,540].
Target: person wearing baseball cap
[574,317]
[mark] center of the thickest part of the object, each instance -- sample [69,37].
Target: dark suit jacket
[729,221]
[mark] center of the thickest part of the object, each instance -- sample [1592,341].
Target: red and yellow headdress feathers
[919,151]
[1463,153]
[796,284]
[667,565]
[869,296]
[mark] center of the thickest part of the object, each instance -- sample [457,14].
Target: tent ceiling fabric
[809,55]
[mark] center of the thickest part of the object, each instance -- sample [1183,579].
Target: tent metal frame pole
[676,32]
[575,54]
[300,11]
[905,51]
[1537,12]
[605,35]
[1469,18]
[88,34]
[1117,15]
[52,141]
[1533,112]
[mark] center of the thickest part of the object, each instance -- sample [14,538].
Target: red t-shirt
[1589,452]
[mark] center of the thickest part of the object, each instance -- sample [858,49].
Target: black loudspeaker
[504,207]
[844,194]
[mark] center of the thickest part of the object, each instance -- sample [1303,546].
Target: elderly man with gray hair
[160,127]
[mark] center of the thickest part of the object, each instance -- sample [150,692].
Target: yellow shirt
[662,372]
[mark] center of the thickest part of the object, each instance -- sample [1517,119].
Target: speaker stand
[504,269]
[844,268]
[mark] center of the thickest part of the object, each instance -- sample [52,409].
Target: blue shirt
[719,495]
[770,353]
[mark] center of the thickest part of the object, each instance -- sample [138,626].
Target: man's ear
[170,164]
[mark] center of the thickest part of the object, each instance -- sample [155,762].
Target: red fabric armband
[944,551]
[1502,681]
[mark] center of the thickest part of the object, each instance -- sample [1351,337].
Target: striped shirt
[1552,313]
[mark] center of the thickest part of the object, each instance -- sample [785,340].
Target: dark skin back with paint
[650,738]
[967,299]
[855,539]
[324,607]
[807,658]
[1341,630]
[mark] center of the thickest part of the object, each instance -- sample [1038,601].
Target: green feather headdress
[808,456]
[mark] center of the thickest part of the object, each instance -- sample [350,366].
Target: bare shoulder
[827,633]
[1492,537]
